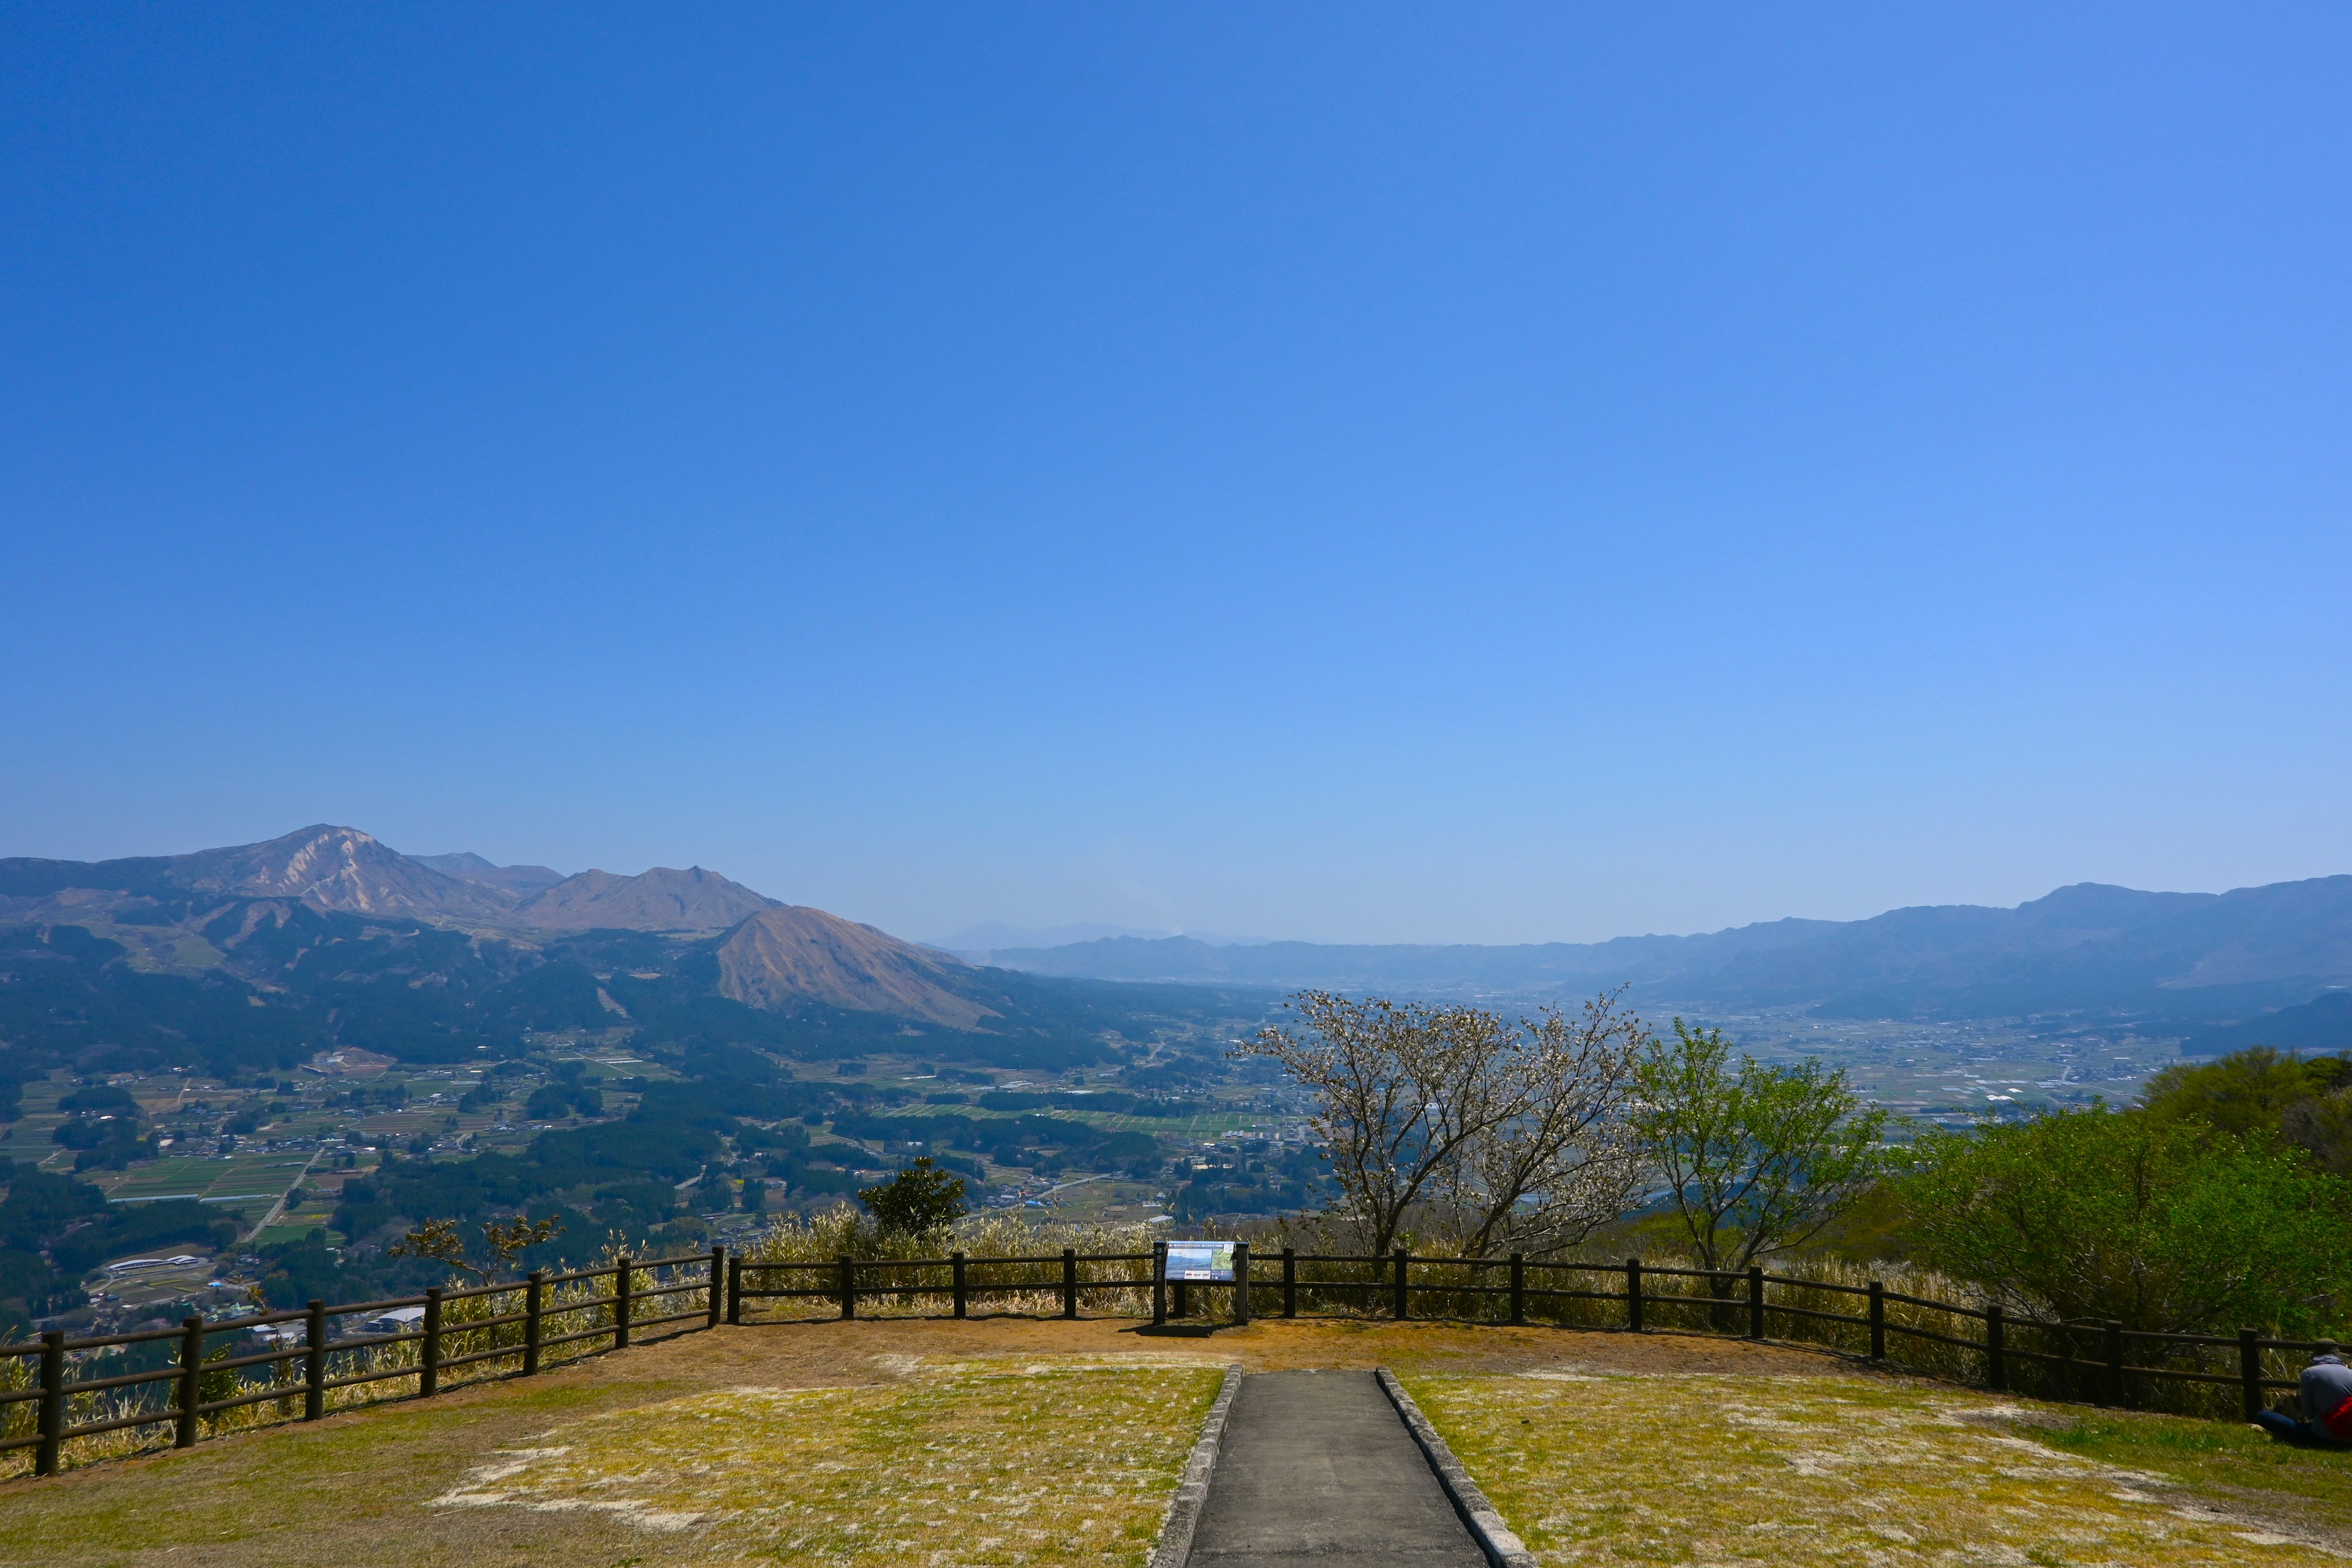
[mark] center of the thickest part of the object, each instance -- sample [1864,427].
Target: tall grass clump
[1011,1267]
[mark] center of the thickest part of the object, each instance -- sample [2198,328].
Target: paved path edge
[1503,1549]
[1192,1492]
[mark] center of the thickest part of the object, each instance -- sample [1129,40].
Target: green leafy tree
[439,1240]
[919,1200]
[2262,1093]
[1757,1158]
[2164,1226]
[2245,1092]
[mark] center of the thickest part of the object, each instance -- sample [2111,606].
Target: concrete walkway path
[1316,1468]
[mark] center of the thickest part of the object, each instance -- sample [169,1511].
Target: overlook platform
[1016,1441]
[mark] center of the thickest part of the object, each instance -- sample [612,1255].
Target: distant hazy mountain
[991,935]
[995,936]
[345,871]
[471,868]
[2319,1025]
[658,899]
[2186,956]
[785,956]
[327,867]
[260,953]
[2210,965]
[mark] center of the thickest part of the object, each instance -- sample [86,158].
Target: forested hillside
[292,981]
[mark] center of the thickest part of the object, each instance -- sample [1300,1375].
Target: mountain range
[256,956]
[2199,962]
[774,956]
[2207,965]
[343,870]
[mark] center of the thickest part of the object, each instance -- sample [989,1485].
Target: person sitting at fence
[2323,1398]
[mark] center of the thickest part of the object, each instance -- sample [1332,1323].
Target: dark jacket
[2325,1396]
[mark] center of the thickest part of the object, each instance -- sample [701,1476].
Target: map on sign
[1211,1260]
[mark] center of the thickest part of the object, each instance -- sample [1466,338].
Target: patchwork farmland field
[256,1175]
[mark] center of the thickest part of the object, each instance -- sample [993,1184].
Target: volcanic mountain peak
[337,869]
[790,954]
[523,880]
[658,899]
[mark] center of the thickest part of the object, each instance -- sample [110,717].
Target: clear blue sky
[1441,473]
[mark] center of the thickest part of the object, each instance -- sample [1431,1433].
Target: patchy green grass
[996,1460]
[1596,1469]
[2218,1456]
[973,1464]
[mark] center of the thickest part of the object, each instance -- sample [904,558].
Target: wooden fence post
[2114,1336]
[1518,1287]
[1240,1284]
[534,1314]
[1159,1283]
[1756,1302]
[314,1391]
[2250,1372]
[621,1303]
[1996,1359]
[428,1376]
[1877,1321]
[192,1361]
[848,1287]
[718,1287]
[955,1261]
[1290,1282]
[1633,1294]
[53,1402]
[1069,1281]
[735,1291]
[1403,1260]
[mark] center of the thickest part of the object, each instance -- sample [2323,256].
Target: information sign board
[1210,1260]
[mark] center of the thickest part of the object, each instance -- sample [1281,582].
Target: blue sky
[1359,473]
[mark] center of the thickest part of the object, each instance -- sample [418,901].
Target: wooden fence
[2093,1362]
[518,1328]
[466,1335]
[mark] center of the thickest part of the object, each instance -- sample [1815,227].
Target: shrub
[2163,1226]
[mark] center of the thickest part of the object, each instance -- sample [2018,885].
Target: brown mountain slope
[520,880]
[790,954]
[340,868]
[660,900]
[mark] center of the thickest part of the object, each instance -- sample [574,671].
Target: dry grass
[1596,1467]
[1003,1439]
[986,1462]
[849,1444]
[564,1316]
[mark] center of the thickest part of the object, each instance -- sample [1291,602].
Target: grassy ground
[1594,1466]
[855,1444]
[988,1461]
[1007,1440]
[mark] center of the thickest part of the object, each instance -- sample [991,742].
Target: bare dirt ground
[370,1487]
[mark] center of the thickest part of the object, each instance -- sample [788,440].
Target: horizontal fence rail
[194,1380]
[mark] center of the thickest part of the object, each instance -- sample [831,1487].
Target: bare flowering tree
[1563,1161]
[1488,1132]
